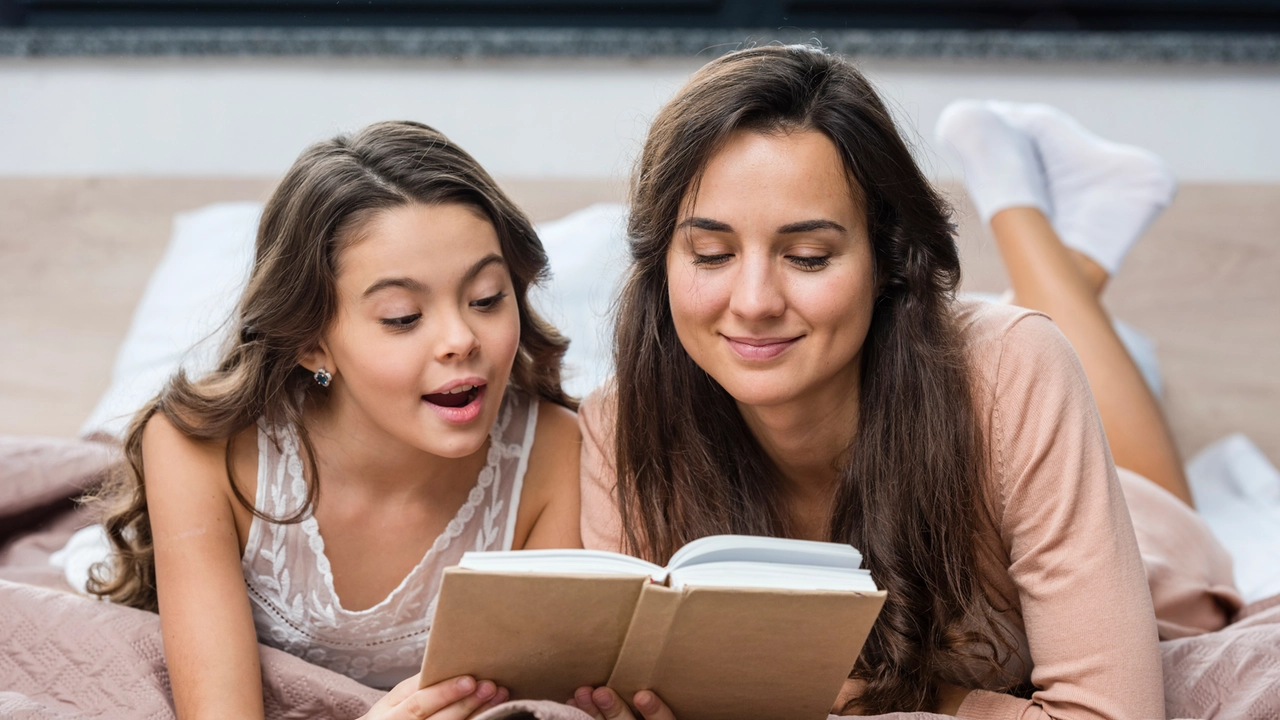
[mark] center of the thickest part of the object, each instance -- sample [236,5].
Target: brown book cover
[710,653]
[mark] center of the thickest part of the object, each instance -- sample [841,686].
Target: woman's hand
[455,699]
[603,703]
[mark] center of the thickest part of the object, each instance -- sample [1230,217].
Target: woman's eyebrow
[701,223]
[414,286]
[809,226]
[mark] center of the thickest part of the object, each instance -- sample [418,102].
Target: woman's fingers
[652,707]
[582,700]
[603,703]
[611,706]
[502,696]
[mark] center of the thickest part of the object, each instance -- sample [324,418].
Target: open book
[733,626]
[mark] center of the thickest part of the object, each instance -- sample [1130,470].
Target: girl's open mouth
[459,405]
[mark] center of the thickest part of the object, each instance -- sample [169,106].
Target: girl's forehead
[433,243]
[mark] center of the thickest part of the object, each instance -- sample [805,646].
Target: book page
[564,561]
[772,576]
[751,548]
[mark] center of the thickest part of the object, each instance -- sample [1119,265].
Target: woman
[791,361]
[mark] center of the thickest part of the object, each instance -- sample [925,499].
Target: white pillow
[183,312]
[1237,492]
[588,256]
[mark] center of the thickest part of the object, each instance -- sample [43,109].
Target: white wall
[558,118]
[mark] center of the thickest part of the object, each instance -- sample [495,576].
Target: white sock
[1104,194]
[1001,168]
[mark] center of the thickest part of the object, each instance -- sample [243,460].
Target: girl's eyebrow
[413,286]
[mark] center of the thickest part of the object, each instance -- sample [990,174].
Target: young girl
[390,401]
[792,361]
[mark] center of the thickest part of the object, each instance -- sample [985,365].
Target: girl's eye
[805,262]
[488,303]
[402,323]
[711,259]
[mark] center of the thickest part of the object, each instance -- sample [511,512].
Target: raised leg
[1049,277]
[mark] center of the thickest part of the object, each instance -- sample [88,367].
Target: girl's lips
[759,349]
[461,414]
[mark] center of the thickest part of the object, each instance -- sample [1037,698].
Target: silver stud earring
[323,378]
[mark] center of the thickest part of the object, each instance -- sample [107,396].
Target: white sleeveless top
[295,607]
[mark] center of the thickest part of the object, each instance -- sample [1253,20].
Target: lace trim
[293,466]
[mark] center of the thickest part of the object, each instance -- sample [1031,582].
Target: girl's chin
[459,445]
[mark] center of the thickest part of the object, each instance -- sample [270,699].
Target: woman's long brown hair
[911,494]
[289,302]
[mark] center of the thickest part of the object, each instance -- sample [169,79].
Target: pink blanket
[66,656]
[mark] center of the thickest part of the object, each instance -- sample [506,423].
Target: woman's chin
[750,392]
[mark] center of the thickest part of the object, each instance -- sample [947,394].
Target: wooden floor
[76,253]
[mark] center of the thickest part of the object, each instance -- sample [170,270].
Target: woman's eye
[806,262]
[717,259]
[402,323]
[488,303]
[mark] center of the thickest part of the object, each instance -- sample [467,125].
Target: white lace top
[290,583]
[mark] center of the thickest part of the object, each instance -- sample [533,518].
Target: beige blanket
[66,656]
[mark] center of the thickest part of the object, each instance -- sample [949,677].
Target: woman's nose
[756,292]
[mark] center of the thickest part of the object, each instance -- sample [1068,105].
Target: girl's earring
[323,377]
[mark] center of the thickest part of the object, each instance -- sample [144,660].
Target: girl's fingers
[398,693]
[652,707]
[426,702]
[611,705]
[469,705]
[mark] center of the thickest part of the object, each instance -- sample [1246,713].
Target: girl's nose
[456,340]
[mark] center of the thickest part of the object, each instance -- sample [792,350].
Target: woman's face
[770,272]
[427,328]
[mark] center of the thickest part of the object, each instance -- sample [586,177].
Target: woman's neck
[808,438]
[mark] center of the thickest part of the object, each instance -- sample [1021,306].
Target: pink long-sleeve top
[1070,563]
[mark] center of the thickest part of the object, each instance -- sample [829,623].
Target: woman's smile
[760,349]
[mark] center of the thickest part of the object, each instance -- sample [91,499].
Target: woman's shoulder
[598,413]
[1009,345]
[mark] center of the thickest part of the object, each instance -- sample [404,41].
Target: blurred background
[115,116]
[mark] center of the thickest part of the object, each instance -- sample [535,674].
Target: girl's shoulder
[178,464]
[548,496]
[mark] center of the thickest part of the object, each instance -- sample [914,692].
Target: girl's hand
[603,703]
[456,699]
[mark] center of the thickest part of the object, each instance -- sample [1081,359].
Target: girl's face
[770,272]
[427,328]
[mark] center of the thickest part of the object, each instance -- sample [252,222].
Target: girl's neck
[358,456]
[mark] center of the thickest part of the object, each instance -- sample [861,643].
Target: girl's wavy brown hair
[332,189]
[911,494]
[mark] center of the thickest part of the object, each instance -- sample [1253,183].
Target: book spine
[642,650]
